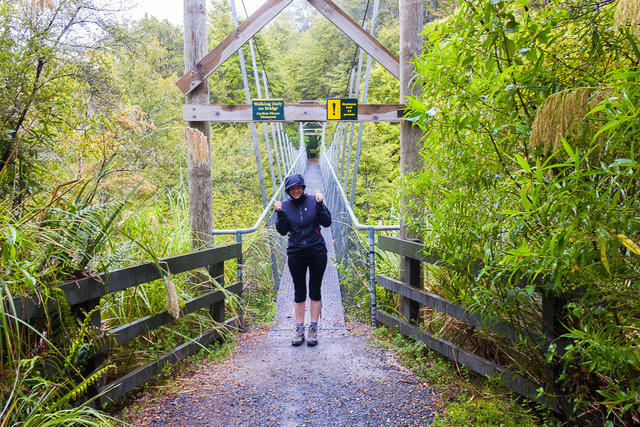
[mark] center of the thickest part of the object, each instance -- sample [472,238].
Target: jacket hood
[291,180]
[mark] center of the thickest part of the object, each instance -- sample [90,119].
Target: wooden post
[411,26]
[217,310]
[199,164]
[413,277]
[199,159]
[553,316]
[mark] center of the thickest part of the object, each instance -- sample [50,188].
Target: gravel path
[344,381]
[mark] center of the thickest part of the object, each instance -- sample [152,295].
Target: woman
[301,215]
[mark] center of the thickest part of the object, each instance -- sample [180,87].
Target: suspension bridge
[338,167]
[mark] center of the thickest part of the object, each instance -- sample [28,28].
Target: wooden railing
[84,295]
[414,254]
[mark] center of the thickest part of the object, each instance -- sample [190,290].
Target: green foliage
[378,174]
[530,114]
[145,67]
[48,387]
[483,412]
[44,69]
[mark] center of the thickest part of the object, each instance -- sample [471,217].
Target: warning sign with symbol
[342,109]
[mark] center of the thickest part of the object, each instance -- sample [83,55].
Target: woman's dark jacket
[302,218]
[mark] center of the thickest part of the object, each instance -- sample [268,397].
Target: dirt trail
[344,381]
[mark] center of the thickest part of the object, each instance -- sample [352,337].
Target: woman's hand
[277,205]
[319,197]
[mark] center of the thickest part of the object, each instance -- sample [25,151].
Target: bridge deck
[332,321]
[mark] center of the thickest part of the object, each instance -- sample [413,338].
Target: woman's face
[295,191]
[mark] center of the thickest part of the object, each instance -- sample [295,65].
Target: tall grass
[43,363]
[81,231]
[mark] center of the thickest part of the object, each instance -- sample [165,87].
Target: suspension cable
[355,54]
[255,42]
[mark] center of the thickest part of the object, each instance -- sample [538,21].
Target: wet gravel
[344,381]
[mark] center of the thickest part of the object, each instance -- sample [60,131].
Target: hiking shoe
[298,337]
[313,335]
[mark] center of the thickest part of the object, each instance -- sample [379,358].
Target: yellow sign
[342,109]
[333,109]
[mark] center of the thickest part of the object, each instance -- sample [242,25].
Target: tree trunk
[199,166]
[411,26]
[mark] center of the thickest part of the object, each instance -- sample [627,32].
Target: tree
[44,65]
[530,113]
[146,67]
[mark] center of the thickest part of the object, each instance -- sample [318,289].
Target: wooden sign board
[292,113]
[267,109]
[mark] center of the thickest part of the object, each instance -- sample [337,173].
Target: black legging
[298,268]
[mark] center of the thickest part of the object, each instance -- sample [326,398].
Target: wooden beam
[89,288]
[472,361]
[436,256]
[410,249]
[133,379]
[292,113]
[77,292]
[447,307]
[234,41]
[134,329]
[356,33]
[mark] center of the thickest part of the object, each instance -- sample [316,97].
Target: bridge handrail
[371,229]
[352,215]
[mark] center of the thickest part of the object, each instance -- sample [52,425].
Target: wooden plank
[131,330]
[292,113]
[447,307]
[410,249]
[472,361]
[118,280]
[234,41]
[424,253]
[26,308]
[89,288]
[133,379]
[356,33]
[436,256]
[412,277]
